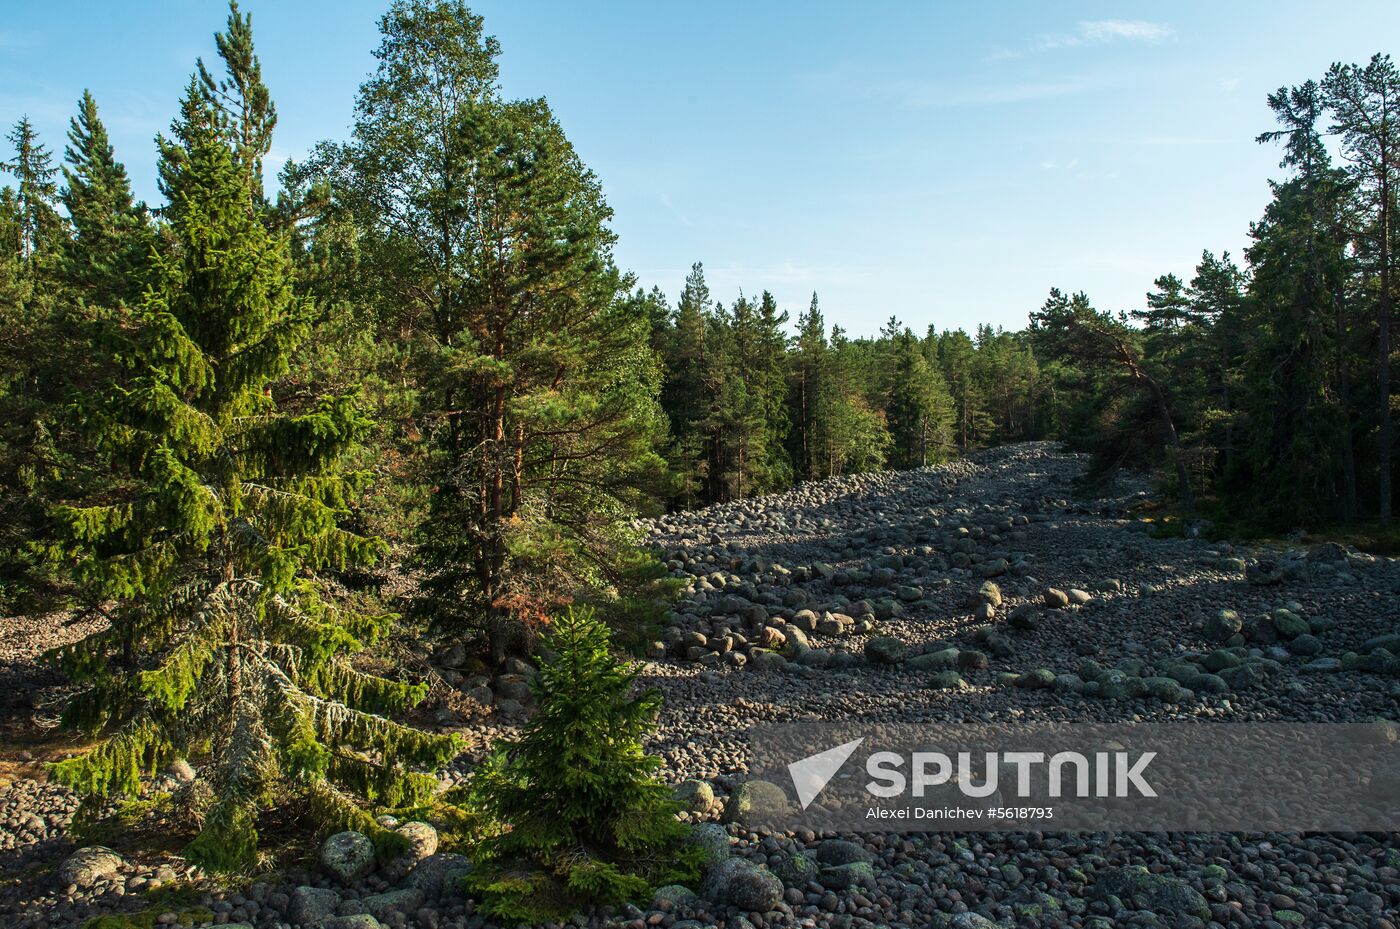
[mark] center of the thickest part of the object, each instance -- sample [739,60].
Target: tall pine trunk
[1383,381]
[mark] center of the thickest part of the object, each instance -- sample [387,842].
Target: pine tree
[579,817]
[537,382]
[1365,106]
[206,548]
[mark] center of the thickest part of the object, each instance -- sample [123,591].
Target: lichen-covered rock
[947,680]
[694,795]
[405,900]
[841,851]
[846,876]
[422,842]
[796,869]
[1138,888]
[672,896]
[348,856]
[1288,624]
[87,866]
[1223,626]
[754,802]
[312,905]
[741,883]
[713,842]
[437,874]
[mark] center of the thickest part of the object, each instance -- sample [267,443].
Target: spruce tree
[812,388]
[575,813]
[102,260]
[207,546]
[688,393]
[40,225]
[245,112]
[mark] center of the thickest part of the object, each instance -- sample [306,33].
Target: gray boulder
[741,883]
[694,795]
[422,842]
[87,866]
[941,660]
[349,856]
[673,896]
[884,649]
[1138,888]
[1223,626]
[754,802]
[312,905]
[438,874]
[713,841]
[841,851]
[406,900]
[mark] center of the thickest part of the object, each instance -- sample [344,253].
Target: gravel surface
[839,601]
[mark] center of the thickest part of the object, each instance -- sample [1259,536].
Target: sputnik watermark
[1148,776]
[1109,774]
[1114,774]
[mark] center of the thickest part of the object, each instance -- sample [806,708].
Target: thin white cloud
[683,219]
[1107,31]
[1230,84]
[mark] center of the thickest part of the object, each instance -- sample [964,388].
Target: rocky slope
[978,590]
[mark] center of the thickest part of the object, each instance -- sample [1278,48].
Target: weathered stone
[741,883]
[312,905]
[89,865]
[422,842]
[694,795]
[754,802]
[348,856]
[1223,625]
[884,649]
[438,874]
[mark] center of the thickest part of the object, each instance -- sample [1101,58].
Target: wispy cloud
[1060,165]
[1106,31]
[683,219]
[1229,84]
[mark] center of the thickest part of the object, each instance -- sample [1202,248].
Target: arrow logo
[811,775]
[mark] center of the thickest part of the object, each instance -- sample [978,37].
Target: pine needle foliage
[208,544]
[579,816]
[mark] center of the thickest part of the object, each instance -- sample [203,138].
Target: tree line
[1265,390]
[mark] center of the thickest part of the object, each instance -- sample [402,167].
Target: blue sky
[940,162]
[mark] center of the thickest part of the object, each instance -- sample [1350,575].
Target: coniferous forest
[311,459]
